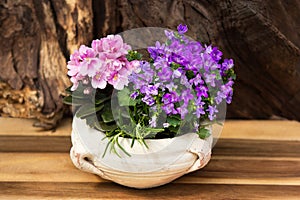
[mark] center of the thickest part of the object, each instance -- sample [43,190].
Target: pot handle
[83,159]
[202,149]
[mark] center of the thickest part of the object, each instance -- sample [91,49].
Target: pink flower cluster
[105,62]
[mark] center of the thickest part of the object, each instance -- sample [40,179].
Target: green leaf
[96,125]
[107,127]
[107,114]
[173,121]
[90,120]
[154,130]
[203,133]
[173,129]
[78,93]
[70,100]
[88,109]
[133,55]
[101,98]
[117,141]
[125,99]
[68,90]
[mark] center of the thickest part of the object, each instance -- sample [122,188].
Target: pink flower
[97,45]
[74,68]
[89,62]
[114,47]
[74,64]
[119,79]
[134,66]
[105,62]
[99,80]
[75,80]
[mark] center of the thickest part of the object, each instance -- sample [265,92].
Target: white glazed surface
[164,160]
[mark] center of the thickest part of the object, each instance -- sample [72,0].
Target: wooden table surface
[252,160]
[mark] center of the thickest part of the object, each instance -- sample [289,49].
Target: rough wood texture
[241,167]
[36,37]
[261,36]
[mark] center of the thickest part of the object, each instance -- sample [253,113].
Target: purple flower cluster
[104,62]
[184,77]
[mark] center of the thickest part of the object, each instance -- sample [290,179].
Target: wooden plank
[57,167]
[264,148]
[41,167]
[17,126]
[262,129]
[237,147]
[262,165]
[15,143]
[49,190]
[241,170]
[243,129]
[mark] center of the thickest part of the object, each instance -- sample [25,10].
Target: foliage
[176,91]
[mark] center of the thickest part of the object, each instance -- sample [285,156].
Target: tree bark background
[36,38]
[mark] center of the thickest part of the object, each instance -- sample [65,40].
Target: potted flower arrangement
[145,120]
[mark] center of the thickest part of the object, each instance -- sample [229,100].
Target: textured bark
[35,39]
[263,37]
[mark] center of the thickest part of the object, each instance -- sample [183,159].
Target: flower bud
[87,91]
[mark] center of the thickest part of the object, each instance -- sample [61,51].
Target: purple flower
[210,78]
[149,89]
[226,65]
[186,96]
[169,109]
[202,91]
[199,107]
[199,111]
[165,74]
[182,29]
[169,34]
[149,100]
[183,111]
[184,81]
[156,51]
[229,97]
[152,121]
[171,97]
[212,110]
[160,63]
[179,59]
[197,80]
[153,52]
[134,95]
[220,96]
[171,86]
[177,73]
[144,77]
[207,62]
[215,54]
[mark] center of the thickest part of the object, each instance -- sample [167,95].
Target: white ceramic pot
[164,160]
